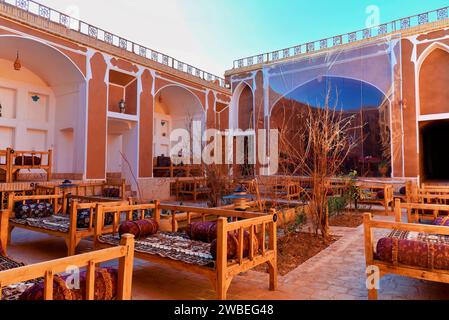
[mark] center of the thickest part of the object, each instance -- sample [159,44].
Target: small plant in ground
[300,219]
[337,205]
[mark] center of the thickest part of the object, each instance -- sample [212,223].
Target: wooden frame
[401,270]
[11,168]
[88,189]
[428,194]
[5,163]
[172,169]
[190,187]
[73,236]
[47,270]
[387,202]
[417,211]
[262,226]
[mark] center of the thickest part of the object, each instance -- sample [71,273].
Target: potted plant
[383,168]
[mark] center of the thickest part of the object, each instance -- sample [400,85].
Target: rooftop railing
[363,34]
[94,32]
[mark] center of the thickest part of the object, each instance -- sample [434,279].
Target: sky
[211,34]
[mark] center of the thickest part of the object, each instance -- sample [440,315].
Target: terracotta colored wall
[433,81]
[408,88]
[131,98]
[146,127]
[96,131]
[116,93]
[210,117]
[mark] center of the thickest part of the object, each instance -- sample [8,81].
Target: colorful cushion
[139,228]
[33,210]
[381,195]
[83,219]
[111,193]
[441,221]
[413,249]
[27,161]
[105,287]
[202,231]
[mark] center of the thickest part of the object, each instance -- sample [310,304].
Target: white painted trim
[122,116]
[234,105]
[26,35]
[178,83]
[432,117]
[182,87]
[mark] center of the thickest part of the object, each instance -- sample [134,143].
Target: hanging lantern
[17,63]
[122,106]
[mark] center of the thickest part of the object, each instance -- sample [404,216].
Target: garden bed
[347,219]
[297,248]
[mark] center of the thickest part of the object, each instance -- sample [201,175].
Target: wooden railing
[41,160]
[418,211]
[47,270]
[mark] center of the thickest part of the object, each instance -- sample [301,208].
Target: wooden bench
[428,194]
[12,161]
[93,192]
[223,271]
[47,270]
[70,233]
[417,212]
[386,268]
[369,196]
[191,187]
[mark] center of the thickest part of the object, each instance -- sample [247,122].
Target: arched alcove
[365,103]
[433,82]
[48,108]
[175,107]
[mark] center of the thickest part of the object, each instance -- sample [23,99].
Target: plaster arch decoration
[60,114]
[182,87]
[234,117]
[387,95]
[432,81]
[11,44]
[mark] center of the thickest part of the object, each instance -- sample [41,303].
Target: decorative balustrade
[87,29]
[383,29]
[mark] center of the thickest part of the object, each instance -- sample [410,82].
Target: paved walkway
[335,273]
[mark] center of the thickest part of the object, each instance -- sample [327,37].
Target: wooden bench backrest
[415,210]
[47,270]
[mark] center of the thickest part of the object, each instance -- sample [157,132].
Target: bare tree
[315,143]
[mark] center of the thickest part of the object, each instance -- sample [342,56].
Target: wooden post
[272,266]
[222,258]
[157,211]
[398,210]
[9,165]
[123,189]
[71,240]
[369,250]
[125,276]
[50,164]
[48,285]
[90,281]
[99,221]
[4,230]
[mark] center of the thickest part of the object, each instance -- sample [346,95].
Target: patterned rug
[53,223]
[13,292]
[175,246]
